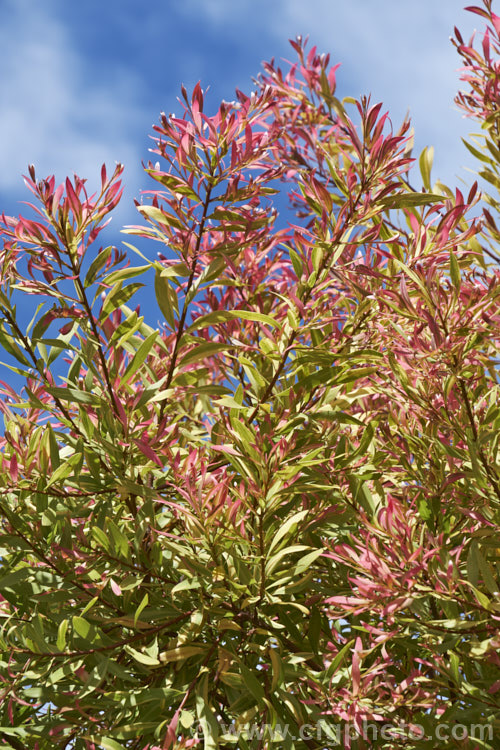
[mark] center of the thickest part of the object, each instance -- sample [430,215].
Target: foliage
[280,508]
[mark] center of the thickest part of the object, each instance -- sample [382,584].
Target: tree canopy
[271,520]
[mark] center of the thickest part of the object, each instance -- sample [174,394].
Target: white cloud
[55,112]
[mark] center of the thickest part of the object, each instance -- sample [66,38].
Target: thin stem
[70,655]
[90,316]
[29,350]
[182,320]
[39,553]
[493,478]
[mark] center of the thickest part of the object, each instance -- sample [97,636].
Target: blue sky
[82,83]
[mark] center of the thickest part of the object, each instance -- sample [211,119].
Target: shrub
[278,510]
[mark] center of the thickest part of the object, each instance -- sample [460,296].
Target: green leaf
[141,606]
[89,605]
[252,684]
[166,298]
[39,329]
[202,351]
[139,357]
[74,394]
[230,403]
[11,347]
[25,373]
[338,660]
[101,538]
[126,273]
[117,297]
[134,730]
[181,653]
[53,447]
[361,493]
[277,669]
[71,466]
[107,743]
[335,376]
[273,561]
[12,579]
[486,572]
[455,271]
[425,164]
[306,561]
[454,668]
[221,316]
[144,695]
[174,184]
[314,630]
[233,679]
[317,257]
[336,416]
[61,634]
[175,271]
[81,626]
[127,328]
[185,585]
[476,152]
[96,265]
[206,717]
[423,509]
[481,598]
[145,659]
[410,200]
[296,262]
[156,214]
[120,543]
[186,719]
[473,563]
[285,528]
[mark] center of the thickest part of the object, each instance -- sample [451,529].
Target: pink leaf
[115,587]
[171,731]
[358,646]
[73,201]
[148,451]
[13,468]
[496,22]
[56,199]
